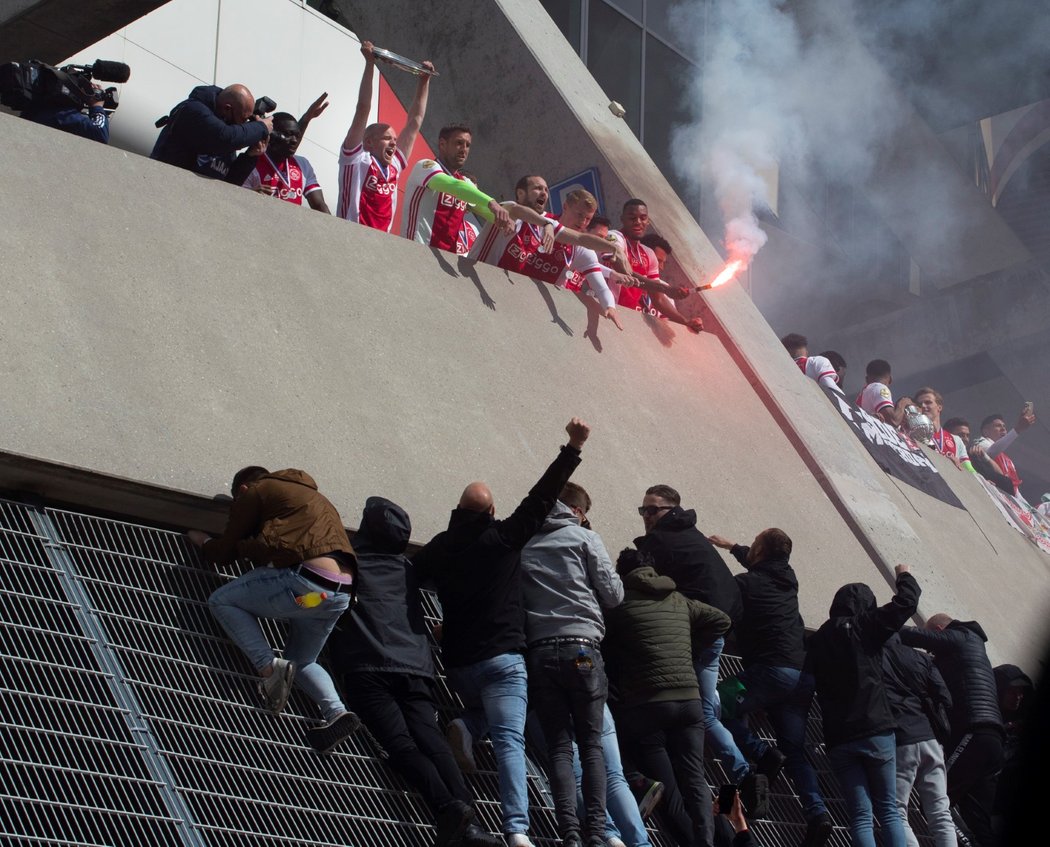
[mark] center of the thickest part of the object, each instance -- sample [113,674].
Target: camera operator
[204,132]
[93,125]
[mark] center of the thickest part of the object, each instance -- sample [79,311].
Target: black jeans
[400,711]
[973,766]
[666,741]
[568,689]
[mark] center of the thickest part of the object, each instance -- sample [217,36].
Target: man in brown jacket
[304,576]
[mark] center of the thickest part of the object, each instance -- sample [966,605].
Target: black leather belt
[567,639]
[317,579]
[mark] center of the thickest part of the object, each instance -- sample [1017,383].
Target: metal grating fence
[126,717]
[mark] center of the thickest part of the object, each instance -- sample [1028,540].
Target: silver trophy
[402,62]
[919,427]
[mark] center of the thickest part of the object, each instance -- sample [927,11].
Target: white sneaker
[615,842]
[518,839]
[462,744]
[276,687]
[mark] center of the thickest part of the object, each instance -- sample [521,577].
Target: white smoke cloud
[774,95]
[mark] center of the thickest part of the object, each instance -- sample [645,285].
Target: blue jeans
[495,694]
[622,819]
[271,593]
[867,773]
[785,695]
[719,740]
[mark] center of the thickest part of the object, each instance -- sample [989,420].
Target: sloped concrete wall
[168,329]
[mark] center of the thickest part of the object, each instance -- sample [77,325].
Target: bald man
[974,754]
[475,565]
[204,132]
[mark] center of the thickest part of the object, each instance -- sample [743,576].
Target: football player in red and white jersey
[817,368]
[876,399]
[279,172]
[438,195]
[651,299]
[524,250]
[931,403]
[374,156]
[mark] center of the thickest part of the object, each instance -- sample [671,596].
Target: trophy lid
[402,62]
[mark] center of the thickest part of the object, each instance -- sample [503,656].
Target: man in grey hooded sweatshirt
[567,579]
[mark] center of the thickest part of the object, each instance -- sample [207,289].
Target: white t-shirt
[874,398]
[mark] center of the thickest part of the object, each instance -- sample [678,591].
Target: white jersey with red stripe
[875,397]
[819,368]
[432,217]
[468,234]
[291,179]
[521,252]
[367,189]
[643,261]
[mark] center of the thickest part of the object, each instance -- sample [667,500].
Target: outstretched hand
[695,325]
[366,51]
[721,541]
[610,313]
[901,568]
[316,109]
[578,432]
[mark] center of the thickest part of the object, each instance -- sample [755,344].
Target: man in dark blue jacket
[205,131]
[770,637]
[845,658]
[94,125]
[476,567]
[383,653]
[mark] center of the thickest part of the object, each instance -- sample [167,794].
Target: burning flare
[727,273]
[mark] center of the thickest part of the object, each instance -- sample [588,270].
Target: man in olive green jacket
[648,648]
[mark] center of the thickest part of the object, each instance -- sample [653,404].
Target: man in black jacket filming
[475,565]
[204,132]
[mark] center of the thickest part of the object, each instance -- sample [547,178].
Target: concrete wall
[169,330]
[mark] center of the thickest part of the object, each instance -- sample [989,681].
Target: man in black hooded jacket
[382,651]
[845,658]
[974,755]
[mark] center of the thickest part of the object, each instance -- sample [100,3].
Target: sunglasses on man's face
[650,511]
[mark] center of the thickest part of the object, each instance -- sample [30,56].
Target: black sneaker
[818,831]
[754,794]
[451,823]
[475,836]
[771,764]
[648,793]
[572,840]
[327,737]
